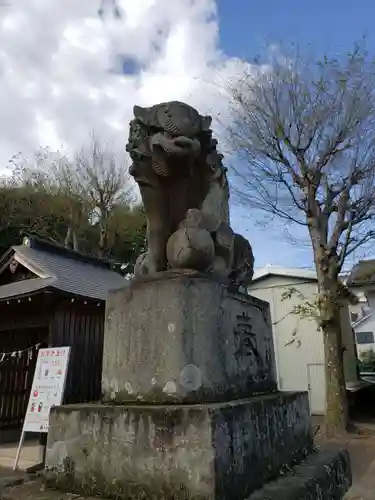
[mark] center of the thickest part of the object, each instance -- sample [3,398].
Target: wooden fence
[16,374]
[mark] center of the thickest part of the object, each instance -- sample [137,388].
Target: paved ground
[30,455]
[362,456]
[35,490]
[361,449]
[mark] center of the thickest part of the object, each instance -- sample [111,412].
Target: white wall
[348,341]
[361,309]
[298,343]
[371,299]
[367,325]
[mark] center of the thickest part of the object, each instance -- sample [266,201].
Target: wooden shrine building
[50,296]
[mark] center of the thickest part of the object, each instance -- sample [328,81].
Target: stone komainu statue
[185,193]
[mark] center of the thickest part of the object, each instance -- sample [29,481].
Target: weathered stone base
[323,475]
[182,337]
[212,451]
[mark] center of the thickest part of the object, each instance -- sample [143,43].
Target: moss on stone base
[96,484]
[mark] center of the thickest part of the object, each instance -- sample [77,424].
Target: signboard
[47,390]
[48,387]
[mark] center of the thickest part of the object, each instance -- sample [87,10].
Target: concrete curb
[324,474]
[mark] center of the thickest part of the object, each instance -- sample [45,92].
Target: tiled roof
[362,273]
[61,269]
[25,287]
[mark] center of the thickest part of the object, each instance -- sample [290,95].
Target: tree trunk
[103,233]
[75,241]
[102,242]
[71,240]
[337,415]
[68,237]
[337,418]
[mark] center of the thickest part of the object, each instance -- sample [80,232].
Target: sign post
[47,390]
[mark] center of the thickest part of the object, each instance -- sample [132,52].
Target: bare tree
[105,179]
[54,174]
[303,135]
[90,185]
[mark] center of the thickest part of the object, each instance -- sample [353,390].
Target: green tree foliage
[367,361]
[23,209]
[87,204]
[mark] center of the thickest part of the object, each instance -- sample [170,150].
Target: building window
[365,337]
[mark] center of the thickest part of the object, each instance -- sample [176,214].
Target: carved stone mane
[185,192]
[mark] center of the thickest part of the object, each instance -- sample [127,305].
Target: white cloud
[60,67]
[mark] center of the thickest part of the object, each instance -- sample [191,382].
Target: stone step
[207,450]
[325,474]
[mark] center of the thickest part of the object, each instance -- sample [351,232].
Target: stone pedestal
[190,408]
[224,450]
[185,338]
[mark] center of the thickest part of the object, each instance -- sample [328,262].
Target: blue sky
[247,27]
[61,74]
